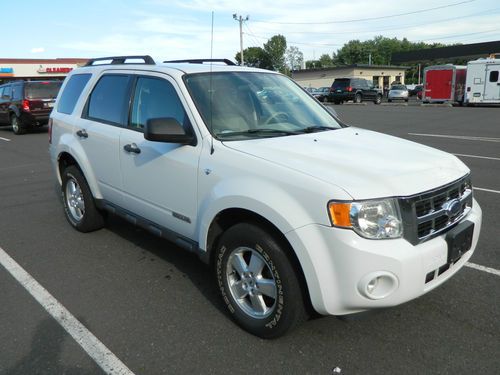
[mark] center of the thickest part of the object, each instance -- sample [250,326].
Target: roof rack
[148,60]
[201,61]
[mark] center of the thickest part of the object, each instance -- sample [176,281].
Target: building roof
[364,66]
[45,61]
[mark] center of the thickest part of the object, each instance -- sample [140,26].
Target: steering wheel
[275,116]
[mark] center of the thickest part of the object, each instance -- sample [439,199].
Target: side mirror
[168,130]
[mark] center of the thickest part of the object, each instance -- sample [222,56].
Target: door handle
[82,133]
[132,147]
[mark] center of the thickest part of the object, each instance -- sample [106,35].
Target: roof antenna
[210,90]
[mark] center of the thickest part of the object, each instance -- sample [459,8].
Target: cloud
[37,50]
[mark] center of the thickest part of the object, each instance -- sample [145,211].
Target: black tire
[378,99]
[389,100]
[78,202]
[242,250]
[406,100]
[357,98]
[17,126]
[337,102]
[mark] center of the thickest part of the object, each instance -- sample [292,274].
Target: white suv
[291,207]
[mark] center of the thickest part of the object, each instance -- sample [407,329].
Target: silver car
[398,92]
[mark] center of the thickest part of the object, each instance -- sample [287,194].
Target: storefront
[37,69]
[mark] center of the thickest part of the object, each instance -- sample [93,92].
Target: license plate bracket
[459,240]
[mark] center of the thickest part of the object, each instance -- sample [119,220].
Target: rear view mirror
[169,130]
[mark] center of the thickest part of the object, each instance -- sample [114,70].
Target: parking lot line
[488,190]
[477,156]
[467,138]
[4,139]
[483,268]
[94,348]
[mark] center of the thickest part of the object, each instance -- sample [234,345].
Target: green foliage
[294,58]
[275,48]
[255,57]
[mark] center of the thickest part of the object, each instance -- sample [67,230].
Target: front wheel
[378,99]
[78,201]
[257,281]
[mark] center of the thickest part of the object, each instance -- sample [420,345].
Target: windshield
[398,87]
[42,90]
[244,105]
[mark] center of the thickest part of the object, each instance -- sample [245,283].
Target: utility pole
[240,19]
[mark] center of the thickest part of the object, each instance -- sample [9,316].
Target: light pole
[240,19]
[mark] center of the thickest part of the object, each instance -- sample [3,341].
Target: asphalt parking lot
[156,308]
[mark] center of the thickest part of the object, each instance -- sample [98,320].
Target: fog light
[378,285]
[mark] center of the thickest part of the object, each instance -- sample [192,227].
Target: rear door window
[42,90]
[494,76]
[71,93]
[108,102]
[7,91]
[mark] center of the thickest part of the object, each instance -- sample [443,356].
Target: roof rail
[148,60]
[201,61]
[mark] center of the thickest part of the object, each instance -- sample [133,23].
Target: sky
[182,29]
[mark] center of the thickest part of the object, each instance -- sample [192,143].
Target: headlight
[377,219]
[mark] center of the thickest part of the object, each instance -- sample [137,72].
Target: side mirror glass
[168,130]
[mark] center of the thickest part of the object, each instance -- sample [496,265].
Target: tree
[275,48]
[326,61]
[294,58]
[255,57]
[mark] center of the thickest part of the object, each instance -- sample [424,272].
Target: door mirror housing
[167,129]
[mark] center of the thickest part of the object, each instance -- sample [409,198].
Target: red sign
[55,70]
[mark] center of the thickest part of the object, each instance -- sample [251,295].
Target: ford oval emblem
[452,208]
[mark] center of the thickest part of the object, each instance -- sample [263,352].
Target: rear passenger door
[98,132]
[159,179]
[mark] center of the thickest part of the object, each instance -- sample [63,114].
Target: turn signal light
[340,214]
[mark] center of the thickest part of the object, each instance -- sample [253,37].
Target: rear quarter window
[72,92]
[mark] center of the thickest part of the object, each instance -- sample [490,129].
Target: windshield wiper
[265,131]
[316,128]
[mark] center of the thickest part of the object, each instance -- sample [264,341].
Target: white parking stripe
[467,138]
[483,268]
[94,348]
[4,139]
[477,156]
[488,190]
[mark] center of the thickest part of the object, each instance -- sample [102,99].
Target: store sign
[6,72]
[52,70]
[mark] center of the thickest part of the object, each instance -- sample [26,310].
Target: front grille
[431,213]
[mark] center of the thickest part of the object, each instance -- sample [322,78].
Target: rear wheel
[17,126]
[78,201]
[357,98]
[257,281]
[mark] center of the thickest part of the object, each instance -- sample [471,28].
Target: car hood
[364,163]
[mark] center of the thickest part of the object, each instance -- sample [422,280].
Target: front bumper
[338,264]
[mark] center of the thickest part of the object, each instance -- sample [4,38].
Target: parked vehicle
[483,82]
[291,207]
[355,89]
[27,104]
[444,83]
[415,90]
[322,94]
[398,92]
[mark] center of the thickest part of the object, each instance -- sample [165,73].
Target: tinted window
[7,90]
[340,83]
[17,92]
[42,90]
[1,91]
[494,76]
[108,100]
[72,92]
[156,98]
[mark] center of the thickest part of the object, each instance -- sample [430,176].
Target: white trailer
[483,82]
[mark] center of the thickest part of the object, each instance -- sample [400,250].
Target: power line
[457,35]
[370,18]
[484,12]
